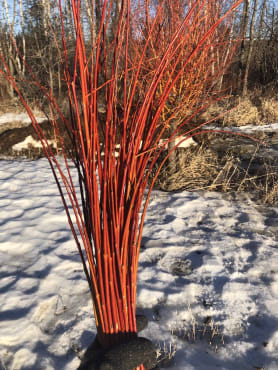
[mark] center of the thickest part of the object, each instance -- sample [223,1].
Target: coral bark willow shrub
[123,92]
[203,56]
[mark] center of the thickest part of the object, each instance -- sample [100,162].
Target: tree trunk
[227,51]
[262,20]
[244,27]
[98,15]
[10,47]
[23,36]
[250,49]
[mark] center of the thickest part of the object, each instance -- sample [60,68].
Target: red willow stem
[144,78]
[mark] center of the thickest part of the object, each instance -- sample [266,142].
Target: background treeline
[33,24]
[36,32]
[258,55]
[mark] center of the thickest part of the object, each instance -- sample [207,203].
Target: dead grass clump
[269,185]
[244,113]
[10,106]
[217,109]
[206,331]
[200,168]
[255,109]
[197,166]
[165,354]
[239,112]
[271,196]
[269,110]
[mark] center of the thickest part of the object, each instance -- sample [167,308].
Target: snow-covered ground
[23,118]
[247,129]
[13,120]
[208,278]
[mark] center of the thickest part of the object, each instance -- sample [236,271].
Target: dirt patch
[17,135]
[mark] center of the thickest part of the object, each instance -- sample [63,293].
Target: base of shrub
[125,356]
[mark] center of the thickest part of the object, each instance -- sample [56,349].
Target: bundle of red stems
[161,66]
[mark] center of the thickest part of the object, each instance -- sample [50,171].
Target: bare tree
[23,35]
[41,20]
[244,28]
[250,47]
[228,51]
[13,59]
[262,17]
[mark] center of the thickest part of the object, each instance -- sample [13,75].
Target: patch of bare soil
[13,136]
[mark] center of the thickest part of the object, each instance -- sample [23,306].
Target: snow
[181,142]
[248,128]
[14,120]
[229,291]
[17,117]
[29,141]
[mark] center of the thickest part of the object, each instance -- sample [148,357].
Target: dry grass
[244,113]
[240,112]
[10,106]
[205,169]
[206,331]
[269,185]
[255,109]
[198,166]
[165,354]
[13,105]
[269,110]
[201,169]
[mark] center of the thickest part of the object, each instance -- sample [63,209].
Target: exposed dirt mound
[17,135]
